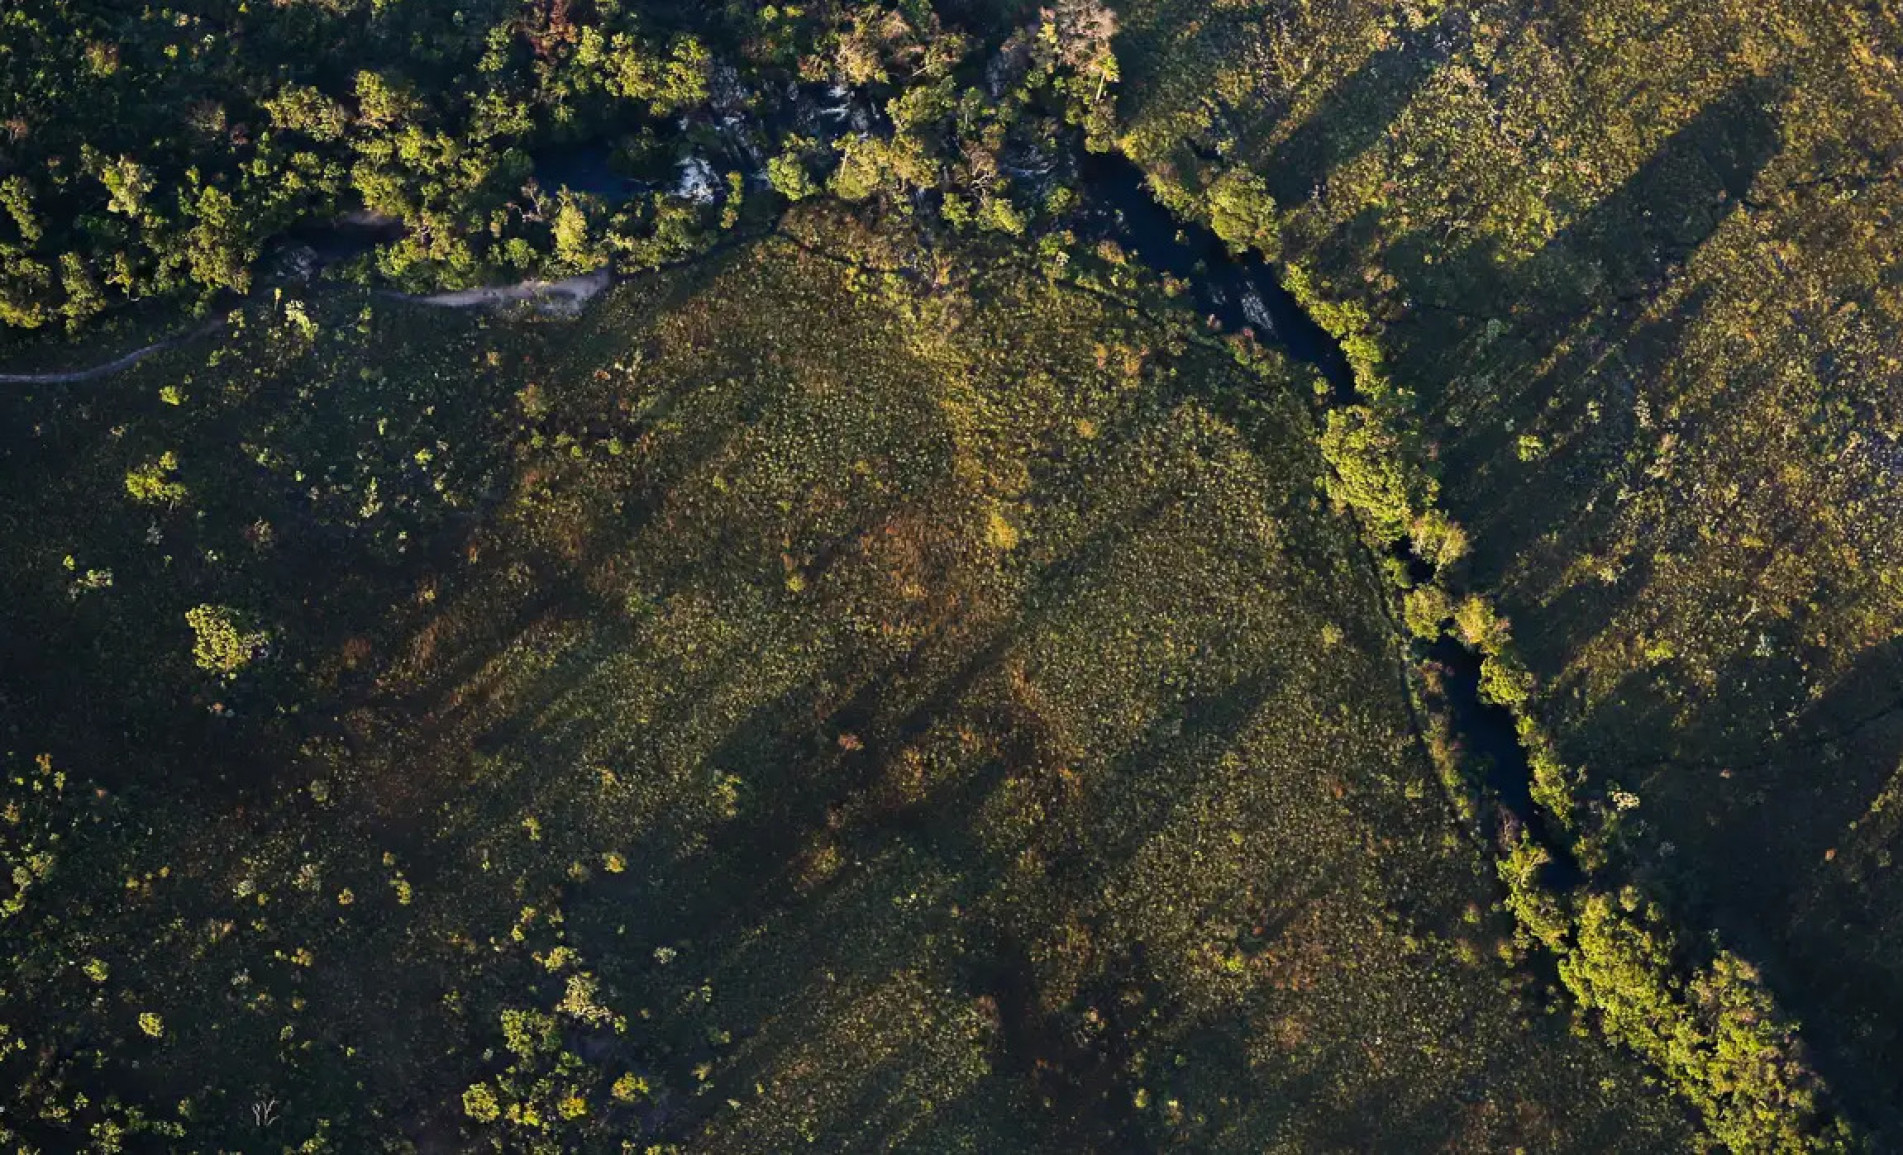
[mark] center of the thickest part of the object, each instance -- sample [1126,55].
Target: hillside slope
[1637,262]
[898,703]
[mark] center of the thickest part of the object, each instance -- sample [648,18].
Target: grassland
[1634,261]
[895,703]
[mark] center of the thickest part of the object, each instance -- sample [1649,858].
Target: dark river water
[1243,293]
[1490,739]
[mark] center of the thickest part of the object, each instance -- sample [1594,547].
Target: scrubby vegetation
[1629,259]
[164,153]
[824,734]
[891,676]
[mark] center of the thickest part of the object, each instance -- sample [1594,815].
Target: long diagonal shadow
[1592,282]
[1355,114]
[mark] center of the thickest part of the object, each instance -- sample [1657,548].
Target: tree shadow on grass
[1590,469]
[1356,112]
[1573,381]
[804,782]
[1769,830]
[741,899]
[115,704]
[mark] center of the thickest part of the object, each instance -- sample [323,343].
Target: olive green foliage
[1427,609]
[220,643]
[1437,539]
[1348,323]
[153,483]
[1370,471]
[886,698]
[1726,1045]
[1604,276]
[34,825]
[1540,911]
[982,131]
[173,155]
[876,690]
[789,176]
[576,248]
[549,1099]
[1714,1030]
[1719,1034]
[1073,41]
[161,154]
[1242,213]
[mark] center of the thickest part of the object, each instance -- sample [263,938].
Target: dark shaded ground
[966,731]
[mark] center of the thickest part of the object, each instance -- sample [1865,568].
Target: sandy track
[69,376]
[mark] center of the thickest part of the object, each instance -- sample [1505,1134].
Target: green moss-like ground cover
[796,703]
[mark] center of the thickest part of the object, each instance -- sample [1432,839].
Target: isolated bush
[152,483]
[222,645]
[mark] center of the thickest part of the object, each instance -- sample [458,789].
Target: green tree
[788,176]
[1426,609]
[1242,213]
[16,197]
[300,108]
[575,244]
[222,643]
[127,183]
[385,101]
[83,296]
[153,483]
[1373,472]
[218,247]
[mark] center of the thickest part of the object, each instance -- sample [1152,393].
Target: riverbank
[1548,843]
[1705,1017]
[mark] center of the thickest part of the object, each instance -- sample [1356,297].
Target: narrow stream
[1491,741]
[1243,293]
[1240,293]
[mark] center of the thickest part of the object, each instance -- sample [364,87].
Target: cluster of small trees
[1711,1026]
[161,154]
[975,140]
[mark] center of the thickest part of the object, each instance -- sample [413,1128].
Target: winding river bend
[1239,292]
[1242,293]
